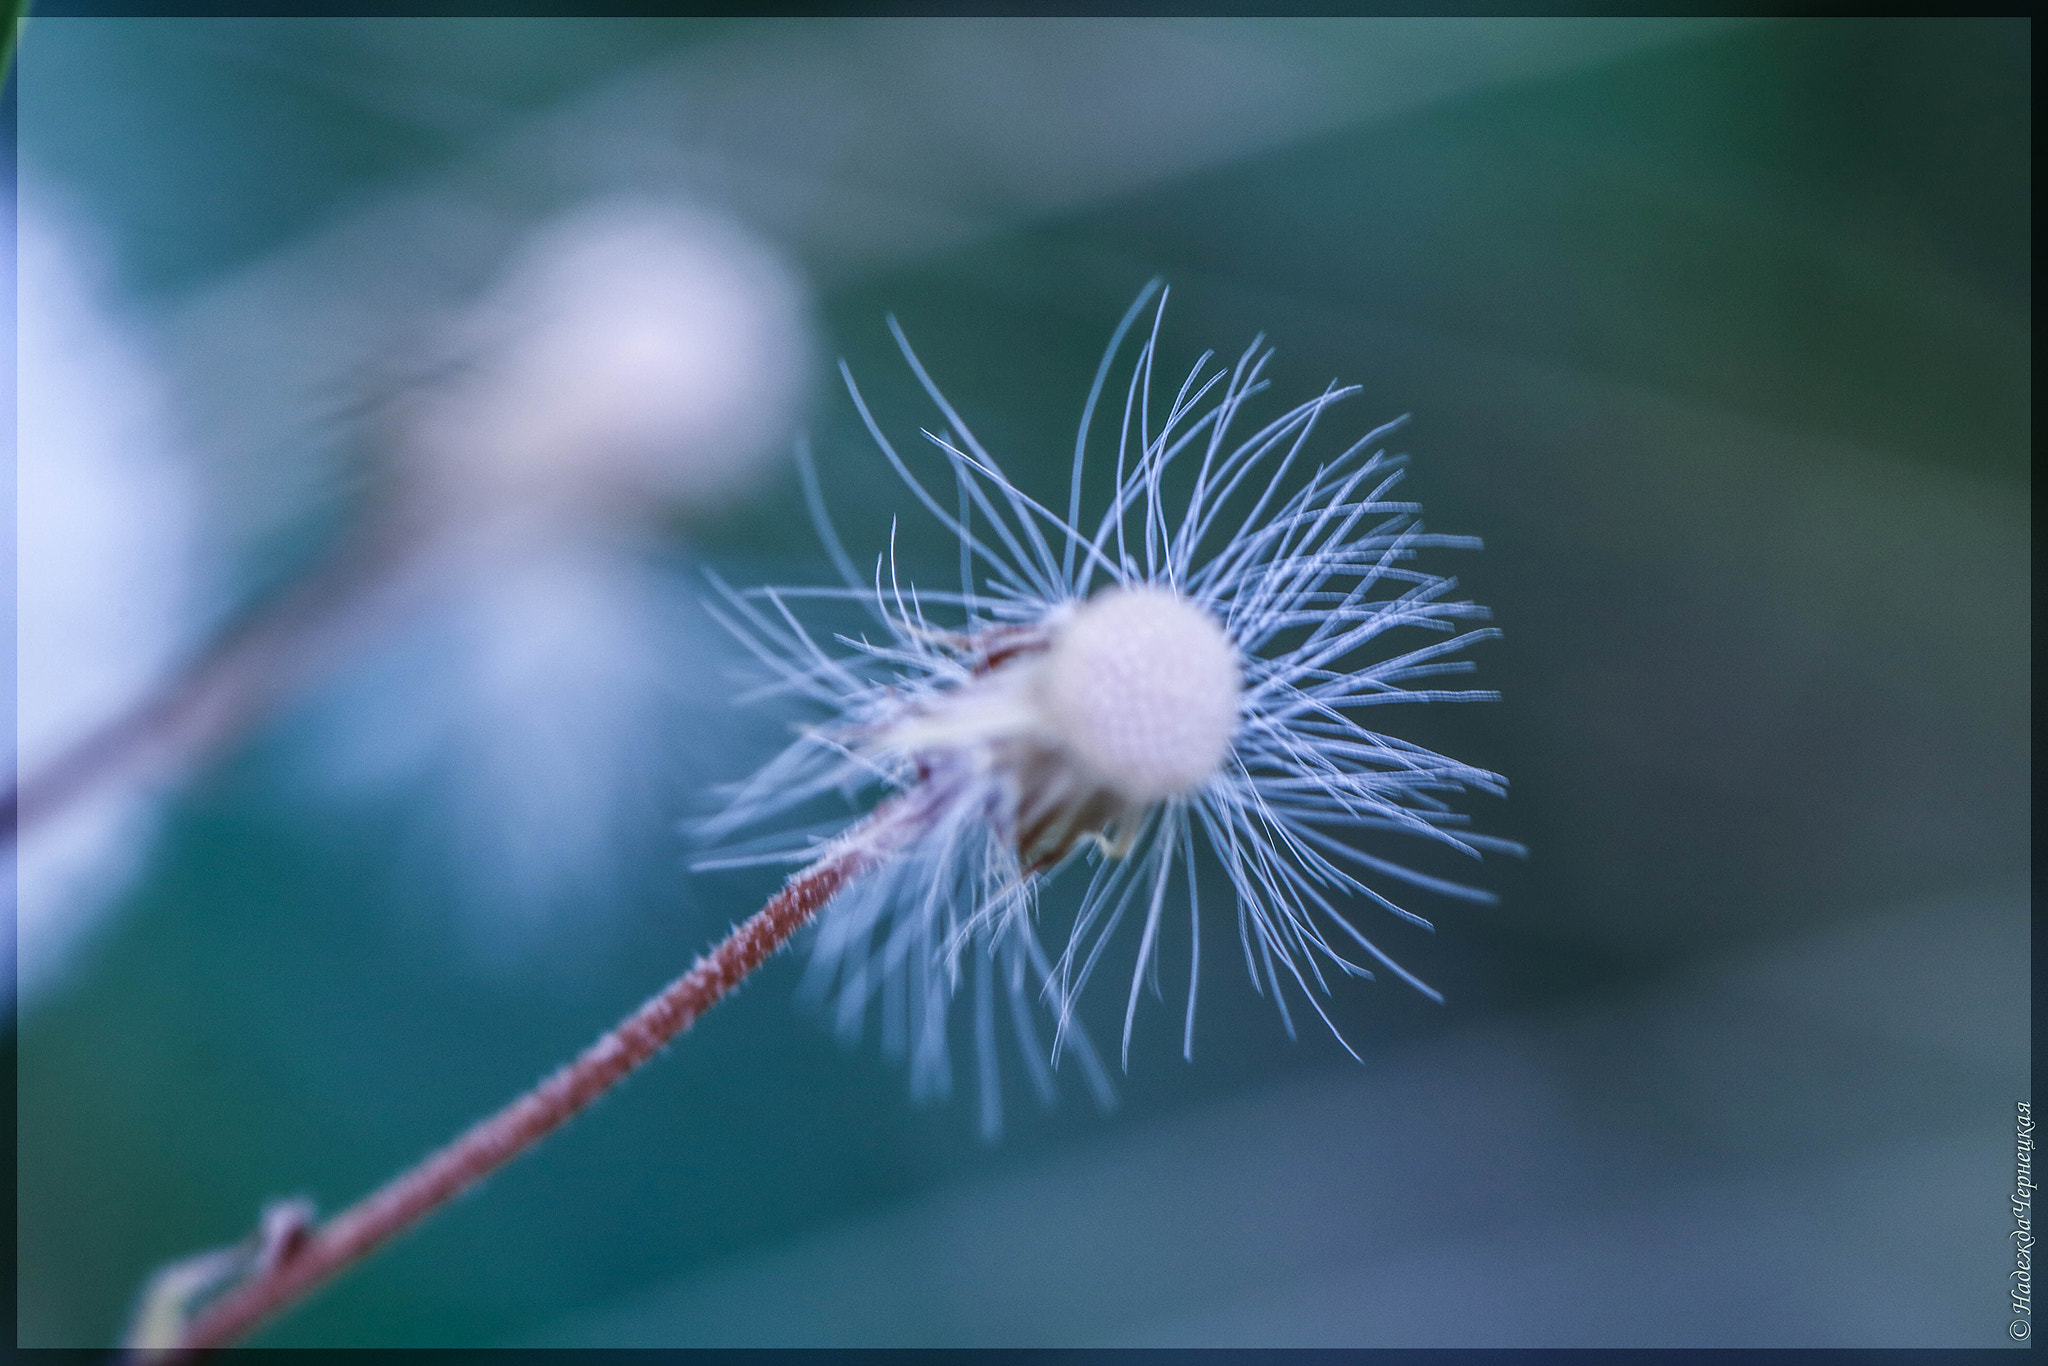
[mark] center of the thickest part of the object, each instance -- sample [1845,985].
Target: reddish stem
[490,1144]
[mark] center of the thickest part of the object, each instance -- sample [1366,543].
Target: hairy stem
[490,1144]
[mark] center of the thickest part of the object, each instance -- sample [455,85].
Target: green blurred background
[1717,332]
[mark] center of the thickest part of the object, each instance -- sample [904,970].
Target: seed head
[1180,680]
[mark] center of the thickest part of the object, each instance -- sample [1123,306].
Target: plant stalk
[491,1143]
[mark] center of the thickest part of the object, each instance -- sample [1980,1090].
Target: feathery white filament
[1142,688]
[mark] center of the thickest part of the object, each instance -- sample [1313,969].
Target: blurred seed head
[527,717]
[635,357]
[106,522]
[633,353]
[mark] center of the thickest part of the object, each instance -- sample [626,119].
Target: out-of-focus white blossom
[528,714]
[105,522]
[634,352]
[636,357]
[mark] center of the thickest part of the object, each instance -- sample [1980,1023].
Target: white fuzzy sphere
[1142,687]
[633,349]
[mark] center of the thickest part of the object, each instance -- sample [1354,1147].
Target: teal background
[1721,341]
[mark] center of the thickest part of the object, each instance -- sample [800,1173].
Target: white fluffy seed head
[1142,687]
